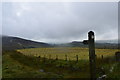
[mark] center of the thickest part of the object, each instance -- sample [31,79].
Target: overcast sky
[60,21]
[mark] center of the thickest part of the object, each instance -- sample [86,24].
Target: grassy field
[17,65]
[83,53]
[0,65]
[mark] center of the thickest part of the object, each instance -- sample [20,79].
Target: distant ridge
[11,43]
[97,45]
[115,41]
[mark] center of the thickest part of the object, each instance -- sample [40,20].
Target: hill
[97,45]
[11,43]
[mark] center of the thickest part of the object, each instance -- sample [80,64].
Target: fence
[92,55]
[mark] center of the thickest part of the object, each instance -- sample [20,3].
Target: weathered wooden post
[92,55]
[102,57]
[39,57]
[66,57]
[56,57]
[76,58]
[95,57]
[117,56]
[44,58]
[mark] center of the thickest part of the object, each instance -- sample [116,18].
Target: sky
[59,22]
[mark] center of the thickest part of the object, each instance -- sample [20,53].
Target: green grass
[18,65]
[83,53]
[0,66]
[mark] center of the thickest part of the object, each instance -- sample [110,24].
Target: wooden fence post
[56,57]
[66,57]
[39,57]
[77,58]
[102,56]
[95,57]
[92,55]
[44,58]
[117,56]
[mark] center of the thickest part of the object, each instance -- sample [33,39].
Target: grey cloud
[60,22]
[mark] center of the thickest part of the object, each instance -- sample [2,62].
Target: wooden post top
[91,35]
[91,32]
